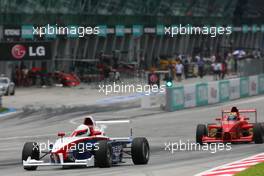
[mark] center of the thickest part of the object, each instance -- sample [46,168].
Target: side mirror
[246,118]
[218,119]
[61,134]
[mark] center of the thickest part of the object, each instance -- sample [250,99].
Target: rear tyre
[257,133]
[201,131]
[140,151]
[103,156]
[30,149]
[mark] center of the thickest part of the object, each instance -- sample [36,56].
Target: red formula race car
[67,79]
[234,126]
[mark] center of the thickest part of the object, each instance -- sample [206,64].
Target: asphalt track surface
[158,126]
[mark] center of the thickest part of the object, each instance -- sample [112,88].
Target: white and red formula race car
[87,146]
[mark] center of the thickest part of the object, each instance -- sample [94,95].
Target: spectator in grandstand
[197,58]
[216,66]
[185,67]
[212,58]
[238,54]
[200,64]
[223,69]
[181,57]
[256,54]
[230,63]
[179,70]
[25,81]
[170,75]
[17,76]
[106,72]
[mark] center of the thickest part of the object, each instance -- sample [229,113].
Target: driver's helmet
[83,130]
[232,116]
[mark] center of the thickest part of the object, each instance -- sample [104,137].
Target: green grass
[3,109]
[257,170]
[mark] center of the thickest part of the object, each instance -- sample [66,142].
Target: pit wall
[201,94]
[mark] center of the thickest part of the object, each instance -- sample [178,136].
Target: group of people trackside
[199,66]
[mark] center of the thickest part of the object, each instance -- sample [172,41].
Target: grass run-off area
[2,109]
[257,170]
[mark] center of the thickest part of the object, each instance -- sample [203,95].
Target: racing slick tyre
[30,149]
[201,131]
[140,151]
[257,133]
[103,156]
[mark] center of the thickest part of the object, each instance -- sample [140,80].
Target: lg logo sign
[39,51]
[19,51]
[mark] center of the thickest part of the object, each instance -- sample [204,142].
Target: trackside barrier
[153,100]
[202,94]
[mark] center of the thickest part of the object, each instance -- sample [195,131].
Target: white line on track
[9,113]
[25,137]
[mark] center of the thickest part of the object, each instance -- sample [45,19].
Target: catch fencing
[248,67]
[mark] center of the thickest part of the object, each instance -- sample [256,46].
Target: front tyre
[201,131]
[257,133]
[140,151]
[30,149]
[103,156]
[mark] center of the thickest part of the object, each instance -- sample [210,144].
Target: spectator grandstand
[84,54]
[201,8]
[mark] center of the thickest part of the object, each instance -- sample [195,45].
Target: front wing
[86,162]
[207,139]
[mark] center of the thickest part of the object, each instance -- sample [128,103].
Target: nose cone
[227,127]
[61,145]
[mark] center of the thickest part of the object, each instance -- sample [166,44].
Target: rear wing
[112,121]
[103,124]
[243,111]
